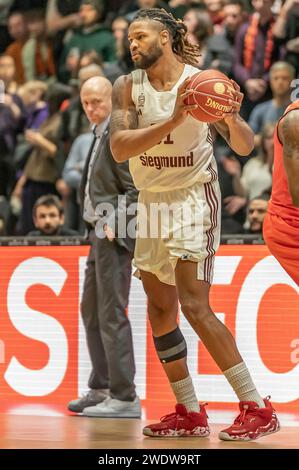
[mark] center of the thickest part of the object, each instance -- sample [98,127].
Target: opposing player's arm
[237,133]
[289,135]
[126,140]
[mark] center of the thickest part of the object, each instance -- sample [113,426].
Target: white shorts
[191,231]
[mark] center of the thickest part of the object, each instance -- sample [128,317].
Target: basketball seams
[217,97]
[214,116]
[223,96]
[195,76]
[205,111]
[224,80]
[218,80]
[202,80]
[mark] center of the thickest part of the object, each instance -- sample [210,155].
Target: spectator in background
[119,29]
[90,57]
[73,169]
[179,7]
[77,63]
[41,170]
[48,216]
[89,71]
[233,195]
[36,108]
[256,213]
[11,123]
[124,64]
[220,47]
[111,70]
[2,226]
[191,19]
[255,51]
[115,5]
[287,28]
[257,172]
[28,5]
[5,214]
[36,112]
[18,30]
[93,35]
[215,10]
[62,17]
[72,176]
[200,28]
[5,39]
[8,73]
[38,59]
[72,64]
[281,77]
[131,7]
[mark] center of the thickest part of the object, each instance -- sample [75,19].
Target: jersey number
[168,140]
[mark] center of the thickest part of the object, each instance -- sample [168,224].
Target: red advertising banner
[43,356]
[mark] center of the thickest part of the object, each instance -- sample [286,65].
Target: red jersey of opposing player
[281,225]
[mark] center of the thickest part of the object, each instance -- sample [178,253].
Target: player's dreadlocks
[178,31]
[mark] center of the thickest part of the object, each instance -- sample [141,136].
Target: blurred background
[49,48]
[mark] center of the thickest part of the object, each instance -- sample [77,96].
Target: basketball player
[171,160]
[281,225]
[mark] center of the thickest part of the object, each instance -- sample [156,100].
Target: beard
[49,230]
[256,227]
[150,59]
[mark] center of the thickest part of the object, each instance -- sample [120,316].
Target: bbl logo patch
[141,100]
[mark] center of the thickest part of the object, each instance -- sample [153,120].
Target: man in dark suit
[105,184]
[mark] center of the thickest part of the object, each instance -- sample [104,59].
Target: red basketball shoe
[180,424]
[252,423]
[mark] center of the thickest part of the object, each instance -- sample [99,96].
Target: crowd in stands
[49,48]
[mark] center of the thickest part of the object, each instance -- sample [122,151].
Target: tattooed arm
[288,132]
[126,140]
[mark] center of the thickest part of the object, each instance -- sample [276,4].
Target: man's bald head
[96,99]
[97,84]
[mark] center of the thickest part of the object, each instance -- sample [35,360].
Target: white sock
[239,378]
[185,394]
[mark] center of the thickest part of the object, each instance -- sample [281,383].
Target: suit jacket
[108,181]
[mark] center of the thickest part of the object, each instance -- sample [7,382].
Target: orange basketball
[212,92]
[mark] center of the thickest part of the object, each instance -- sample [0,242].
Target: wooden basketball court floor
[19,431]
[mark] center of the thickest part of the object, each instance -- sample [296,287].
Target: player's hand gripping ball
[215,95]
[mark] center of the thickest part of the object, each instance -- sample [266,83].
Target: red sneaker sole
[275,427]
[197,432]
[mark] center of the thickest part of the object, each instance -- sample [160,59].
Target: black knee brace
[171,347]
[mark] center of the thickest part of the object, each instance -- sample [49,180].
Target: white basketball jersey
[185,156]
